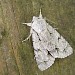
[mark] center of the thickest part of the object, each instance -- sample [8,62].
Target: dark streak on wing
[37,35]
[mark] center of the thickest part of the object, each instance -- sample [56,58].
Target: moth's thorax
[39,24]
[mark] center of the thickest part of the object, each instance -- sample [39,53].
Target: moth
[48,44]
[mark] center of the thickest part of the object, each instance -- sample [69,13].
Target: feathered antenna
[40,15]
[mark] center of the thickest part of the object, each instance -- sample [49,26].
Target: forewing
[43,59]
[62,48]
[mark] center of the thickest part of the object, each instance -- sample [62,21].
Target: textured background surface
[17,58]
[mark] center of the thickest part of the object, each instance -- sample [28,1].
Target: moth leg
[28,24]
[28,36]
[56,28]
[49,20]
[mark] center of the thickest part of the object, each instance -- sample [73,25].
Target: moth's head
[39,24]
[36,18]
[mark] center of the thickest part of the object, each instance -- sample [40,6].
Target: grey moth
[48,44]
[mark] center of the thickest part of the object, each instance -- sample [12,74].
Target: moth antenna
[40,15]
